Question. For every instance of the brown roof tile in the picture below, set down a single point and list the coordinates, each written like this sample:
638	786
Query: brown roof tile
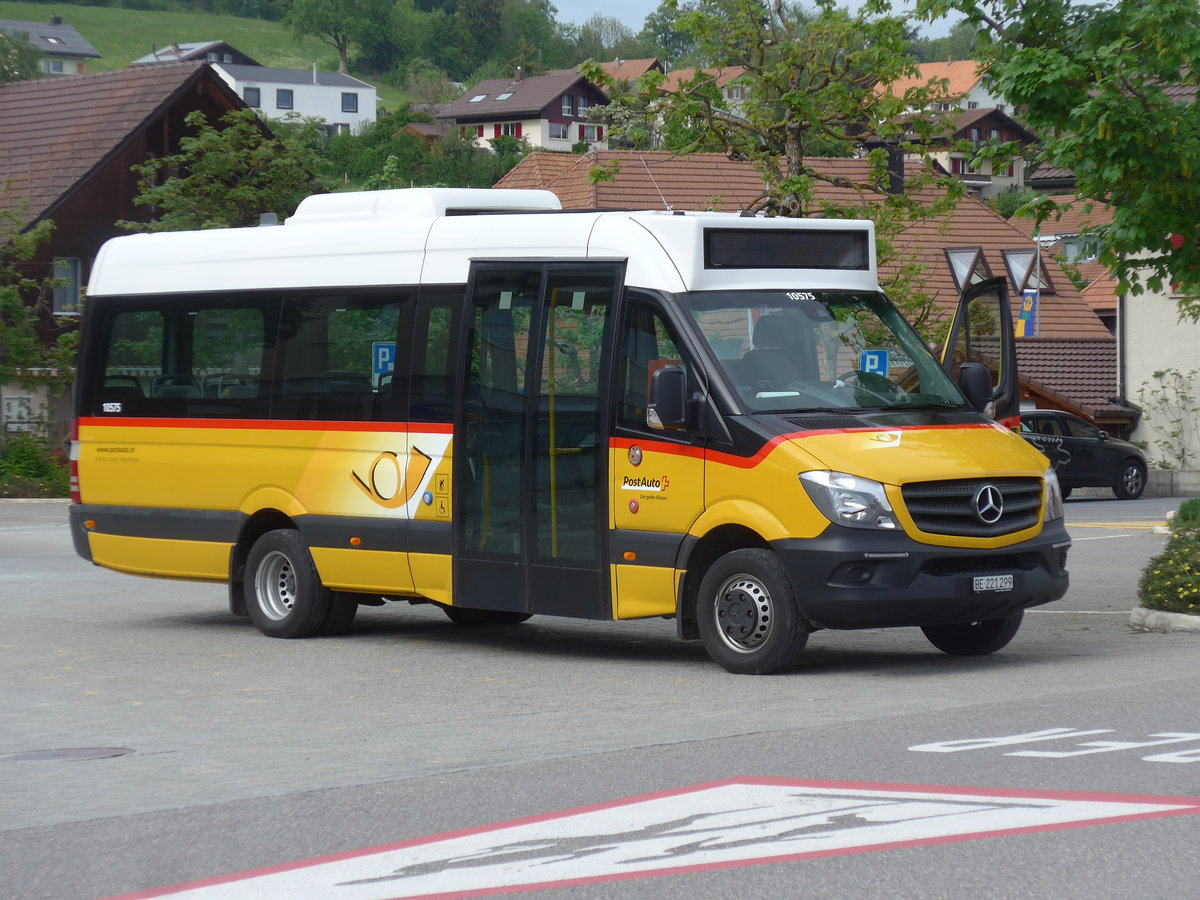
1077	374
630	70
961	76
721	76
53	131
527	96
658	180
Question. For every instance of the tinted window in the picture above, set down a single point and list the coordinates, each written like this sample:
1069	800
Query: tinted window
187	359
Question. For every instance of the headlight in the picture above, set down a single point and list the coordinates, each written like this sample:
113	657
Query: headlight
849	500
1054	500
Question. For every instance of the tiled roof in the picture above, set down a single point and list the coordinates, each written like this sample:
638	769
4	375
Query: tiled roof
1101	292
961	76
658	180
1078	374
527	96
53	38
629	70
54	131
721	76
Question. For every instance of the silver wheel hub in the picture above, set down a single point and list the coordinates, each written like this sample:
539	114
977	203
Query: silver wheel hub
1133	479
275	585
743	613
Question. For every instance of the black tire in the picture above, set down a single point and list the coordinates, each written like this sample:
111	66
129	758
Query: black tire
342	609
284	594
476	618
1066	492
974	638
1131	480
748	616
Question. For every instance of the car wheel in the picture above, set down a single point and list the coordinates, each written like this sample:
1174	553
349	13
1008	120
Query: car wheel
1066	492
284	594
974	638
748	616
343	607
1132	480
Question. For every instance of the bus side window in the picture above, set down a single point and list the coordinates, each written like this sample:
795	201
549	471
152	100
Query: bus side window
432	356
334	355
133	359
647	345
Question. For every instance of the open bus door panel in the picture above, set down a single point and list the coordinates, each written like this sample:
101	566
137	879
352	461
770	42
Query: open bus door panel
982	332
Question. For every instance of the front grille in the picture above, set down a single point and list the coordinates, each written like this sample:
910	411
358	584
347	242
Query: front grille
948	507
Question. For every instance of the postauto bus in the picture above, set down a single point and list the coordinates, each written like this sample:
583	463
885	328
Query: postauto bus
477	400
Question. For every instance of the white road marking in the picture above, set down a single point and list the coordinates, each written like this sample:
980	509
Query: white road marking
729	824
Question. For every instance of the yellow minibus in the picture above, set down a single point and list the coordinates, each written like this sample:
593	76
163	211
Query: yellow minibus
475	399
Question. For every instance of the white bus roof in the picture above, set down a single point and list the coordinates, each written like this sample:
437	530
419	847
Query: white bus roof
430	236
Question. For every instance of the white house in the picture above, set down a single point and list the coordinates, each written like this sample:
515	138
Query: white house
549	111
345	103
64	50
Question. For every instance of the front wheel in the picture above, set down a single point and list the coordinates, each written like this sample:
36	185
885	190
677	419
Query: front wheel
1131	481
284	594
748	616
974	638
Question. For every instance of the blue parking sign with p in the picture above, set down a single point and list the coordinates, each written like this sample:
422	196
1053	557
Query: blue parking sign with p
873	362
383	357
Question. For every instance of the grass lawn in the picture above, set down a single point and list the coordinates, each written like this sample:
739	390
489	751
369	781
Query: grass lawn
123	35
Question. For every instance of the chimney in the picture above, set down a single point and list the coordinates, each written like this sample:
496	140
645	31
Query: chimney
895	169
314	73
519	76
56	20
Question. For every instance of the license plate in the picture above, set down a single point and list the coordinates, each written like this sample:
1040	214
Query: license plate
987	583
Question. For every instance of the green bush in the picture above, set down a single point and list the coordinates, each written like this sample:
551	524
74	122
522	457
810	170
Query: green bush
1188	514
28	469
1171	580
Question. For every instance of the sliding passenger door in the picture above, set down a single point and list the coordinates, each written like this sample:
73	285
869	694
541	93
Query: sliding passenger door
531	473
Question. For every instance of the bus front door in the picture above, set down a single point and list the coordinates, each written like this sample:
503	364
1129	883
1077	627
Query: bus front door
531	470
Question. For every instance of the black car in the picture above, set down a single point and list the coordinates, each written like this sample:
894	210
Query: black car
1083	455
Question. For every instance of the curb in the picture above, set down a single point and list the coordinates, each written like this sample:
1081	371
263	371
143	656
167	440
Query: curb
1156	620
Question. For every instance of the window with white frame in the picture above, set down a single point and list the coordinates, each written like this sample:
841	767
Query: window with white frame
568	105
560	131
590	133
283	98
510	129
53	66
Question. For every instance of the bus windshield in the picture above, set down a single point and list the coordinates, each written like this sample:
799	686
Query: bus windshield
788	351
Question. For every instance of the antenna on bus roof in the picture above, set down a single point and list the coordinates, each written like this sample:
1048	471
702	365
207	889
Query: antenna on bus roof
666	205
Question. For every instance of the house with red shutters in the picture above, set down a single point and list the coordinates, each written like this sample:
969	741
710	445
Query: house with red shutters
550	111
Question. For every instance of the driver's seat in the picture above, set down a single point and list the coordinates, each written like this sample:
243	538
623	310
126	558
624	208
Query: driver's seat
777	358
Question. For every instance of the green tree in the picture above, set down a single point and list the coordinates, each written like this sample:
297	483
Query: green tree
809	90
18	58
35	347
230	173
1112	90
659	31
336	22
958	44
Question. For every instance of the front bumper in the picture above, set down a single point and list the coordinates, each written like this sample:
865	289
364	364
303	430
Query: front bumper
847	578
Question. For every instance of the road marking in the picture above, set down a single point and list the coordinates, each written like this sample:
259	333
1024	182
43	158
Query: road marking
1141	525
721	825
960	745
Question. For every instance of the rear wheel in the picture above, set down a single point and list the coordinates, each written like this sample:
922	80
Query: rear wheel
1131	481
479	617
284	595
747	614
343	607
974	638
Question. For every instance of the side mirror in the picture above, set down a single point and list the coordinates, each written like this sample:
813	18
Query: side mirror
667	406
975	381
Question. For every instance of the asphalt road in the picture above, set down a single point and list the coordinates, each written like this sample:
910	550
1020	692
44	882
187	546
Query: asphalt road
150	739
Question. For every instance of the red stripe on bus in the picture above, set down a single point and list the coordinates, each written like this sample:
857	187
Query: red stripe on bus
269	425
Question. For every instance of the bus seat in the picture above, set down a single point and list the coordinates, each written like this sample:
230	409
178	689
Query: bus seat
778	356
174	386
